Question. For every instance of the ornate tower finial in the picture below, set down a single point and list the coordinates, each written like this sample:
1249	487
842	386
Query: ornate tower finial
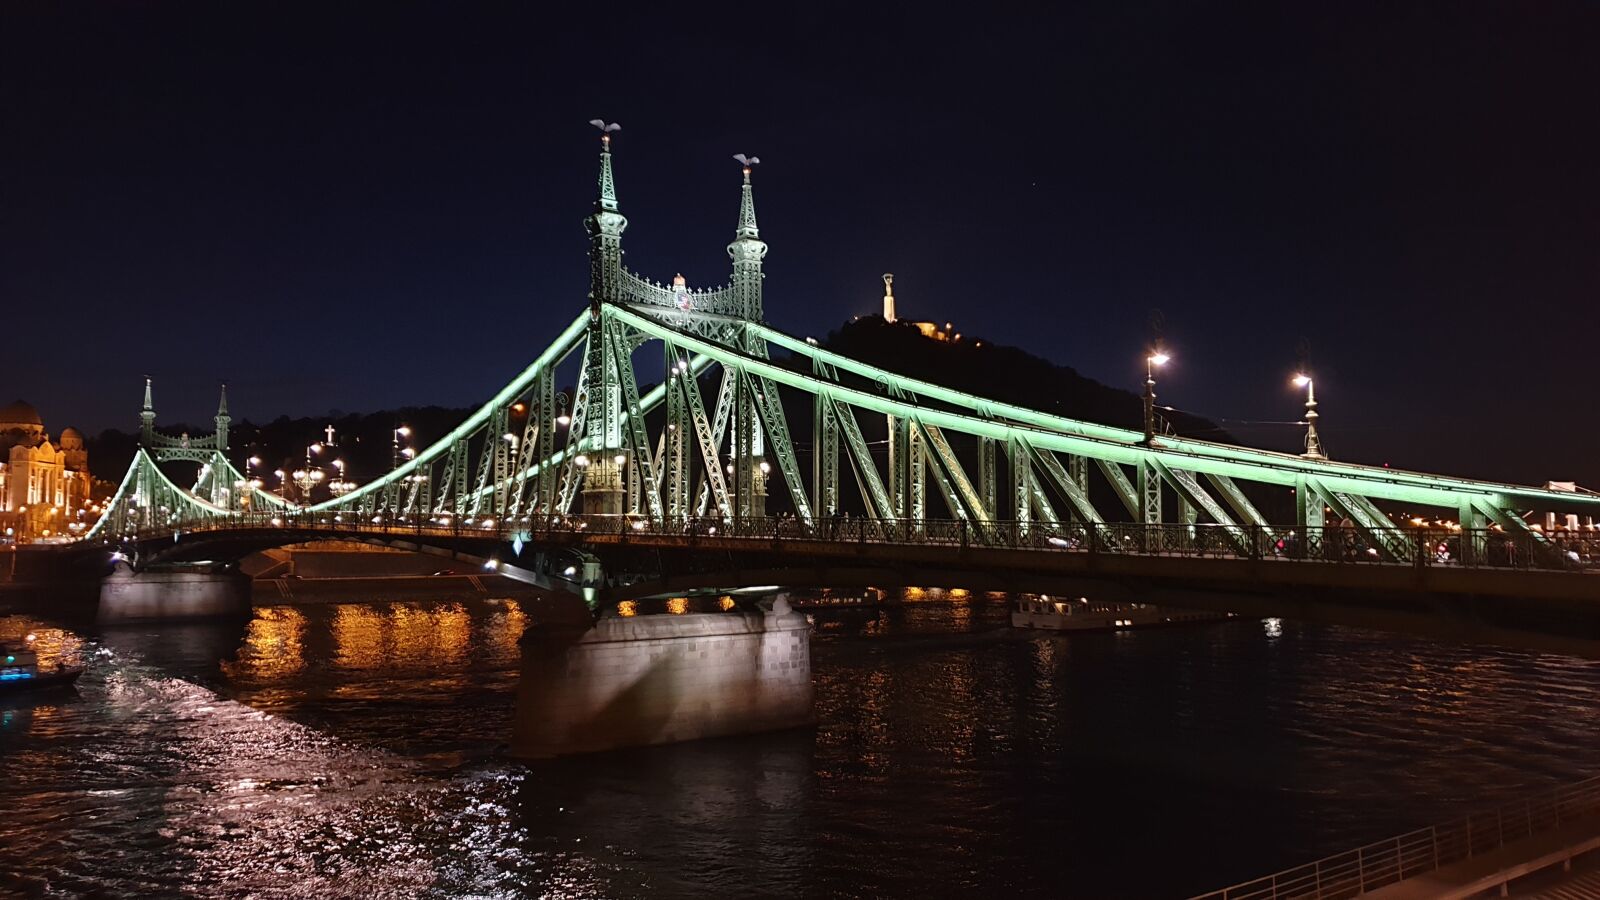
747	203
223	419
605	227
147	416
747	249
608	187
888	296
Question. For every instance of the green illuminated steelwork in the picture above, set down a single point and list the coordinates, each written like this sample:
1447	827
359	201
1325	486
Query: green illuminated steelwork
658	452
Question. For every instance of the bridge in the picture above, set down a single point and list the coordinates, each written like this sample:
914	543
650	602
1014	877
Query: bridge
676	464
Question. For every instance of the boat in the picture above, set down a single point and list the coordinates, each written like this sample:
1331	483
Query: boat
1048	613
19	669
869	598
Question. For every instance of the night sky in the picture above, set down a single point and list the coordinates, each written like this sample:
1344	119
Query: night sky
361	206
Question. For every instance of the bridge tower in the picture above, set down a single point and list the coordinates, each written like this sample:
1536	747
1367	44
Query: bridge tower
217	480
599	388
750	468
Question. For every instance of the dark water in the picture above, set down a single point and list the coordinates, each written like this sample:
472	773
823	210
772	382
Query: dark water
357	750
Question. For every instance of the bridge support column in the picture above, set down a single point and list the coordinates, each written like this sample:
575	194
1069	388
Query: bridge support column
1307	505
1473	522
602	485
659	679
172	594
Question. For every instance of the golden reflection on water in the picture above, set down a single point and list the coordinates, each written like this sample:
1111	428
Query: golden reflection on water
283	643
274	645
402	635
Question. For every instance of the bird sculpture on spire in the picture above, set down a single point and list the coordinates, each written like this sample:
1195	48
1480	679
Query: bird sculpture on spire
605	129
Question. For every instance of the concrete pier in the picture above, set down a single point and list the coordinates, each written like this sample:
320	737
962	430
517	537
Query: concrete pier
658	679
127	596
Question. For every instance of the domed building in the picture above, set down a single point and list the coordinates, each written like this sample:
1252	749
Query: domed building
44	487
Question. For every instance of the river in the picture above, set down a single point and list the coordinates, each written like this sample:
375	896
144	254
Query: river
358	750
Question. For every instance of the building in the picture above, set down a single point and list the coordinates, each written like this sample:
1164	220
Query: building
44	485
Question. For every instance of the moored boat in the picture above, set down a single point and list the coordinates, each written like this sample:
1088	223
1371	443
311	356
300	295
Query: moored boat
19	669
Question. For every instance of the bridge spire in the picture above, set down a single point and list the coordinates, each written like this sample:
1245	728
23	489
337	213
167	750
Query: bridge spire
222	419
147	416
747	249
605	226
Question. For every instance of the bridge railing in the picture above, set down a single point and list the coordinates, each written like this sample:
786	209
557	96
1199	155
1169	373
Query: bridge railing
1355	872
1419	547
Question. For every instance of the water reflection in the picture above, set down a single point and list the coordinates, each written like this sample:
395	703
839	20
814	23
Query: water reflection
361	743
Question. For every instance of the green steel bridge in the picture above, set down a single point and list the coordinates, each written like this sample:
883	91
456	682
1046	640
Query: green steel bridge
675	464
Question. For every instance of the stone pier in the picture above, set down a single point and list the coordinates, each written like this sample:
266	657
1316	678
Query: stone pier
161	594
658	679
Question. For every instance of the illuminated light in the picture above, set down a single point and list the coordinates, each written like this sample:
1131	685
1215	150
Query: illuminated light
619	459
678	605
581	460
638	525
1059	541
563	419
765	468
570	571
403	431
491	564
725	603
628	609
1159	359
518	407
488	523
1274	627
31	637
1302	381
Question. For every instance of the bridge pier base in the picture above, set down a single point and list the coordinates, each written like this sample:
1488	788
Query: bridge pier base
659	679
127	596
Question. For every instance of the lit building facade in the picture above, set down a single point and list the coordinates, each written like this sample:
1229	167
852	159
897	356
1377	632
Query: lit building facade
44	485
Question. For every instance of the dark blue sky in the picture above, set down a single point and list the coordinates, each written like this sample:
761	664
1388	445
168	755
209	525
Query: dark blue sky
379	205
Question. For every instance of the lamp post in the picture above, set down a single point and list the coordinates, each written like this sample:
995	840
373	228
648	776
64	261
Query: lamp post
563	419
309	476
1152	362
402	431
1313	442
340	485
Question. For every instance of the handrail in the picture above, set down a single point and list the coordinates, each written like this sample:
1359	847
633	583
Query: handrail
1355	872
1413	547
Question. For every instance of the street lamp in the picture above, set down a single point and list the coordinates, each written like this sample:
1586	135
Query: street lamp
1152	362
283	483
402	431
563	419
309	476
340	486
1313	442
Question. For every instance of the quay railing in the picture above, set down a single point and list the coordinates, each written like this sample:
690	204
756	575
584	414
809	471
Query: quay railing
1389	861
1420	547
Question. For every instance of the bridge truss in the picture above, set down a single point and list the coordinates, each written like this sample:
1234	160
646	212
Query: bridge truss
684	409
